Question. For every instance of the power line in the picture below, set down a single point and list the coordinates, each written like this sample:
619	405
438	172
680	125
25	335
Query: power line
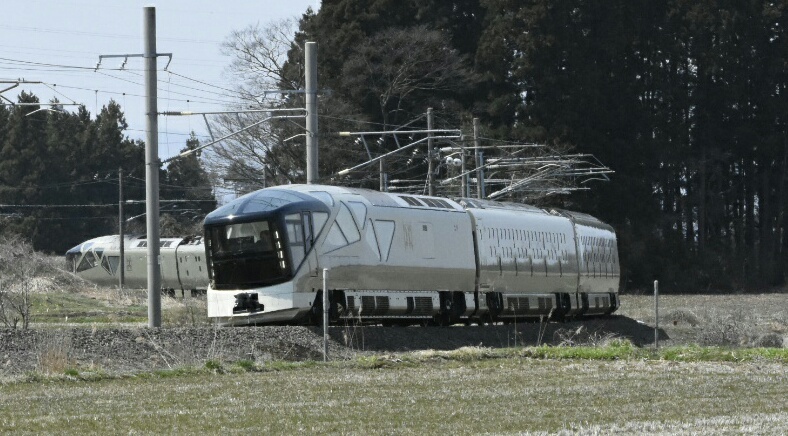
164	90
130	70
200	81
30	206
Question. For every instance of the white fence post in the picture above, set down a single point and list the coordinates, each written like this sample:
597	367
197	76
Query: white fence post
325	314
656	314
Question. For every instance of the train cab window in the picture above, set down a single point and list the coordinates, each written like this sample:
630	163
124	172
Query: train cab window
250	254
309	237
88	262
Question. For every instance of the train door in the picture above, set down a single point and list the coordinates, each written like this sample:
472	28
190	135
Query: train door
303	230
309	242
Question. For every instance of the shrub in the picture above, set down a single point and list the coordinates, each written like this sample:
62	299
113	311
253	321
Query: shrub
732	329
687	316
246	365
214	365
769	340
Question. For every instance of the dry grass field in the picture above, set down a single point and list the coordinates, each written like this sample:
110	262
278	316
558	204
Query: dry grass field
708	378
424	393
722	320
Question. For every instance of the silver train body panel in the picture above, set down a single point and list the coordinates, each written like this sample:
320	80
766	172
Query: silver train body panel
404	257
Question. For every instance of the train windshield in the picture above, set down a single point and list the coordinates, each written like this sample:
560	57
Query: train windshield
247	255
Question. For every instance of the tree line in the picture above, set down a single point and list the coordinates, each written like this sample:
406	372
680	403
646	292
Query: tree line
685	100
59	176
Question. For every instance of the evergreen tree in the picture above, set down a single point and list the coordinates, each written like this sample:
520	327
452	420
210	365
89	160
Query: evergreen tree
52	158
186	180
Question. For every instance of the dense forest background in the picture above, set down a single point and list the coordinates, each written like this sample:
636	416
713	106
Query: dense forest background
59	178
684	99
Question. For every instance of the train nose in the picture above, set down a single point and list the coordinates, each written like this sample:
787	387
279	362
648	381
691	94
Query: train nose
74	250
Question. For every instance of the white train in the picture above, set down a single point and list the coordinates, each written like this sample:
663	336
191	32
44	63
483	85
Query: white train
183	267
403	259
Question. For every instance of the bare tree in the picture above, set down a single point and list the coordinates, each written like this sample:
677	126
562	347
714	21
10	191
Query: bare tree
258	56
19	264
259	156
272	153
402	69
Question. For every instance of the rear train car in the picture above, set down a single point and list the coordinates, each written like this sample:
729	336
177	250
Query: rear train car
182	264
403	259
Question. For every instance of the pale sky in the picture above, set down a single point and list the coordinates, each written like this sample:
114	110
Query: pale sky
44	40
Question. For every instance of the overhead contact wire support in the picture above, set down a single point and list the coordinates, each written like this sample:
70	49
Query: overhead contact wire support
310	63
152	169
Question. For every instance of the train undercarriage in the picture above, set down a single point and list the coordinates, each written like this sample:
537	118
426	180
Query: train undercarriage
443	308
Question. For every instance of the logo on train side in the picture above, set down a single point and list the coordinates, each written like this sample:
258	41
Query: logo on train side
408	230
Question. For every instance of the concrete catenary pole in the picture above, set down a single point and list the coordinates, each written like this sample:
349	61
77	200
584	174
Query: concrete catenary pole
152	168
382	172
122	260
310	64
479	170
463	169
430	175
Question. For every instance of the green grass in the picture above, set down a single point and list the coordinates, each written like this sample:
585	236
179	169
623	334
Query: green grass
468	391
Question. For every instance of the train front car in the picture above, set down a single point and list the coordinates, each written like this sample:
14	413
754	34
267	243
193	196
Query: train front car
393	259
403	259
95	260
256	245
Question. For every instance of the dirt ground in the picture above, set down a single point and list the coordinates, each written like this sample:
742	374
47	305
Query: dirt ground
723	320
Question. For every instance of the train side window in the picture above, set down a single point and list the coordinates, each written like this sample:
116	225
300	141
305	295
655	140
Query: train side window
343	230
335	239
347	224
384	232
110	264
323	196
359	210
372	240
295	237
318	221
